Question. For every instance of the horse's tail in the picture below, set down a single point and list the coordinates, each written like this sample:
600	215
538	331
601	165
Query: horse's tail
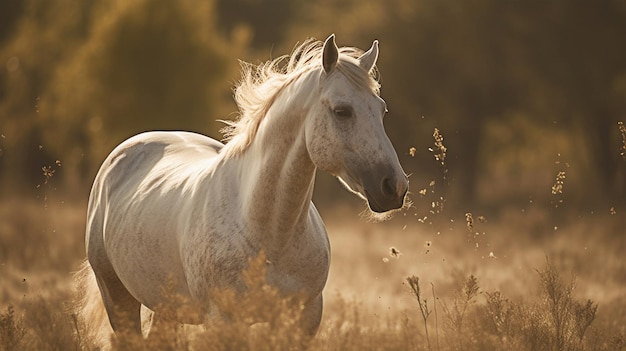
92	322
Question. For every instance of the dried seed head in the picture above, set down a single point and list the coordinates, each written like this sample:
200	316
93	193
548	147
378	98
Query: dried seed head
557	188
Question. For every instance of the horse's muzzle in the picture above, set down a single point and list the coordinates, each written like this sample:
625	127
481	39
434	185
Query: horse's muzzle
388	194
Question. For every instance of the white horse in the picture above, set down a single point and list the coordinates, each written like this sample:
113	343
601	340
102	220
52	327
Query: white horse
185	210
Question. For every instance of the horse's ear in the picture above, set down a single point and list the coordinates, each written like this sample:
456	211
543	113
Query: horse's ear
368	59
330	54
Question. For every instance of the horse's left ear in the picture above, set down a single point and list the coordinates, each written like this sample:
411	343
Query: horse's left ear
368	59
330	54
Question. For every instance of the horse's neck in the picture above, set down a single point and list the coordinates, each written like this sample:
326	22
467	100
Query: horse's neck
278	177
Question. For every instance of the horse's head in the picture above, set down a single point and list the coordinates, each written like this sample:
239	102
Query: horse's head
345	134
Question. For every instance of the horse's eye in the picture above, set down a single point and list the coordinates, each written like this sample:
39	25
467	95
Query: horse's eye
343	112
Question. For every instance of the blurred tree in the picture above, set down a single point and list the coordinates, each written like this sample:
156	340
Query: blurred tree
268	20
580	55
114	69
10	11
44	34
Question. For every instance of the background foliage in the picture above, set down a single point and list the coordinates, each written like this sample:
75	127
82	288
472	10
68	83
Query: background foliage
519	90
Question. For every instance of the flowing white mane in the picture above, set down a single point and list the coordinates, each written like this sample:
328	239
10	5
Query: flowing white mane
261	85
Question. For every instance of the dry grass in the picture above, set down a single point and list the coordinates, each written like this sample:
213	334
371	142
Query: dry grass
482	286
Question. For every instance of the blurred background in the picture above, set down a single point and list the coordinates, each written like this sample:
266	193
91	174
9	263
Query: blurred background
524	99
519	90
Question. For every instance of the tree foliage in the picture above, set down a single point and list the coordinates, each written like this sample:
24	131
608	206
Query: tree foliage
521	90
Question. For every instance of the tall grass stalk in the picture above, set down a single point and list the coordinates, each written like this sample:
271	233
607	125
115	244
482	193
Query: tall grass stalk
422	303
432	286
568	318
455	315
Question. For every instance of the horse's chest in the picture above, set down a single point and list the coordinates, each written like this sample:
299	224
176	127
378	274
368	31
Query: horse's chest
217	258
300	271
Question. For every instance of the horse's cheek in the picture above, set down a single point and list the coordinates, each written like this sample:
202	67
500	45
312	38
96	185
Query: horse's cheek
322	147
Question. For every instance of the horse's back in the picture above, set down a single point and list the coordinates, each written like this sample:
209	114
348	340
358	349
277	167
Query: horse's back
145	157
138	157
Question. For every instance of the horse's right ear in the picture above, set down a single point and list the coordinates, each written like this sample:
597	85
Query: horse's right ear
330	54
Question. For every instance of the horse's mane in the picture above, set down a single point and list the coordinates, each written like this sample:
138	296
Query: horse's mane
261	84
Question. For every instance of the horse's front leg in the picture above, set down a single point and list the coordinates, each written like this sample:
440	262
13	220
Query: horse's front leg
311	317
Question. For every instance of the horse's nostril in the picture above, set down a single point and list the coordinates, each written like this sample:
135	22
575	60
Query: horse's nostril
389	188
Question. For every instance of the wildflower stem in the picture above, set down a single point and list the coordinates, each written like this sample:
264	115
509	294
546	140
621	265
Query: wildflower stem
415	287
436	317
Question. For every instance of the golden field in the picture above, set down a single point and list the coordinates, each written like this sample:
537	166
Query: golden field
488	283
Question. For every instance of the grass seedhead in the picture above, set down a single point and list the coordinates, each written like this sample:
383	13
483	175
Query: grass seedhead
470	289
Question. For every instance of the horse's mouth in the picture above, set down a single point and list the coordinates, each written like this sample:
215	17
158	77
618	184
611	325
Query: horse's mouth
382	204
